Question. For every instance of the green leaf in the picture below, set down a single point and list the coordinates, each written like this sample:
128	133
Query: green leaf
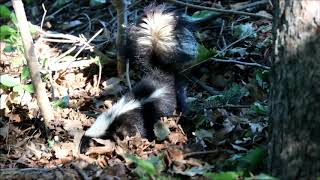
4	12
202	14
235	93
63	102
261	77
243	30
19	89
18	61
253	160
231	175
161	131
197	170
25	73
199	120
6	32
144	165
260	177
9	81
259	109
9	48
202	134
204	53
29	88
50	143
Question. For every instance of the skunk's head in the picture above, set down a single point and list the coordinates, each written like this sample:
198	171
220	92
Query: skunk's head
161	38
105	121
101	125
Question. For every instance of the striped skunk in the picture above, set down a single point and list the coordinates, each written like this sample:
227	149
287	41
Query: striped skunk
137	111
162	39
159	45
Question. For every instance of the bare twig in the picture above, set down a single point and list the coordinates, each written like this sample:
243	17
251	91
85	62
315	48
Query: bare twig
86	44
59	10
33	64
66	65
44	15
240	62
231	106
224	11
200	153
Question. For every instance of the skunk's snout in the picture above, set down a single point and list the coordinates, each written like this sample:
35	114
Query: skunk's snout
84	144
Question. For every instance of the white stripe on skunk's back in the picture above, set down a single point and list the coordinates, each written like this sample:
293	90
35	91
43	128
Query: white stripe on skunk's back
160	93
101	125
157	29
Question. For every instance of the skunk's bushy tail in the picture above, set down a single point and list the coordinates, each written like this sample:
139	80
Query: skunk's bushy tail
161	38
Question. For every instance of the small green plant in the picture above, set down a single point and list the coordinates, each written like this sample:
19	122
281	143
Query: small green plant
231	96
7	81
150	168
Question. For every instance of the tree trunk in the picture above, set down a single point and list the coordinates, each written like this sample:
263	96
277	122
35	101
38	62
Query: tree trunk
294	151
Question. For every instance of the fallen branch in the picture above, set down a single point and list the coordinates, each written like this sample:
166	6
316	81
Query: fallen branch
33	64
223	11
240	62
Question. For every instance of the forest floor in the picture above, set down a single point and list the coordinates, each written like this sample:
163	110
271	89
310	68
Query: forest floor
224	130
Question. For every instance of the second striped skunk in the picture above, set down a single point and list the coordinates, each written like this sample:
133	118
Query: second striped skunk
137	111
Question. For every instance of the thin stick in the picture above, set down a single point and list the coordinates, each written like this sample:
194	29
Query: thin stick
224	11
43	16
240	62
33	64
200	153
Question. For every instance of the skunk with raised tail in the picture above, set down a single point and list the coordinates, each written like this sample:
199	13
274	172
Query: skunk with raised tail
162	39
160	44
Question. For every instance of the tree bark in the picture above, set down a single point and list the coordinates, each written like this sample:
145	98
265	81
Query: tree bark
294	151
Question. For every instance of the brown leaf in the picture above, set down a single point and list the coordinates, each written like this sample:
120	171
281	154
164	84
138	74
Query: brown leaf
101	149
177	138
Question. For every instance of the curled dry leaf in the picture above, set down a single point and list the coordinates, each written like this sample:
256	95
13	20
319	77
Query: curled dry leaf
108	147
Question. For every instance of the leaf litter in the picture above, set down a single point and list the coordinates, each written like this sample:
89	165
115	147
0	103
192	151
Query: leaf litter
214	135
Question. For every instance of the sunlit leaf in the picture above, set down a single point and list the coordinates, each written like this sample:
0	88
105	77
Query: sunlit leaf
25	73
29	88
9	81
19	89
18	61
6	32
4	12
